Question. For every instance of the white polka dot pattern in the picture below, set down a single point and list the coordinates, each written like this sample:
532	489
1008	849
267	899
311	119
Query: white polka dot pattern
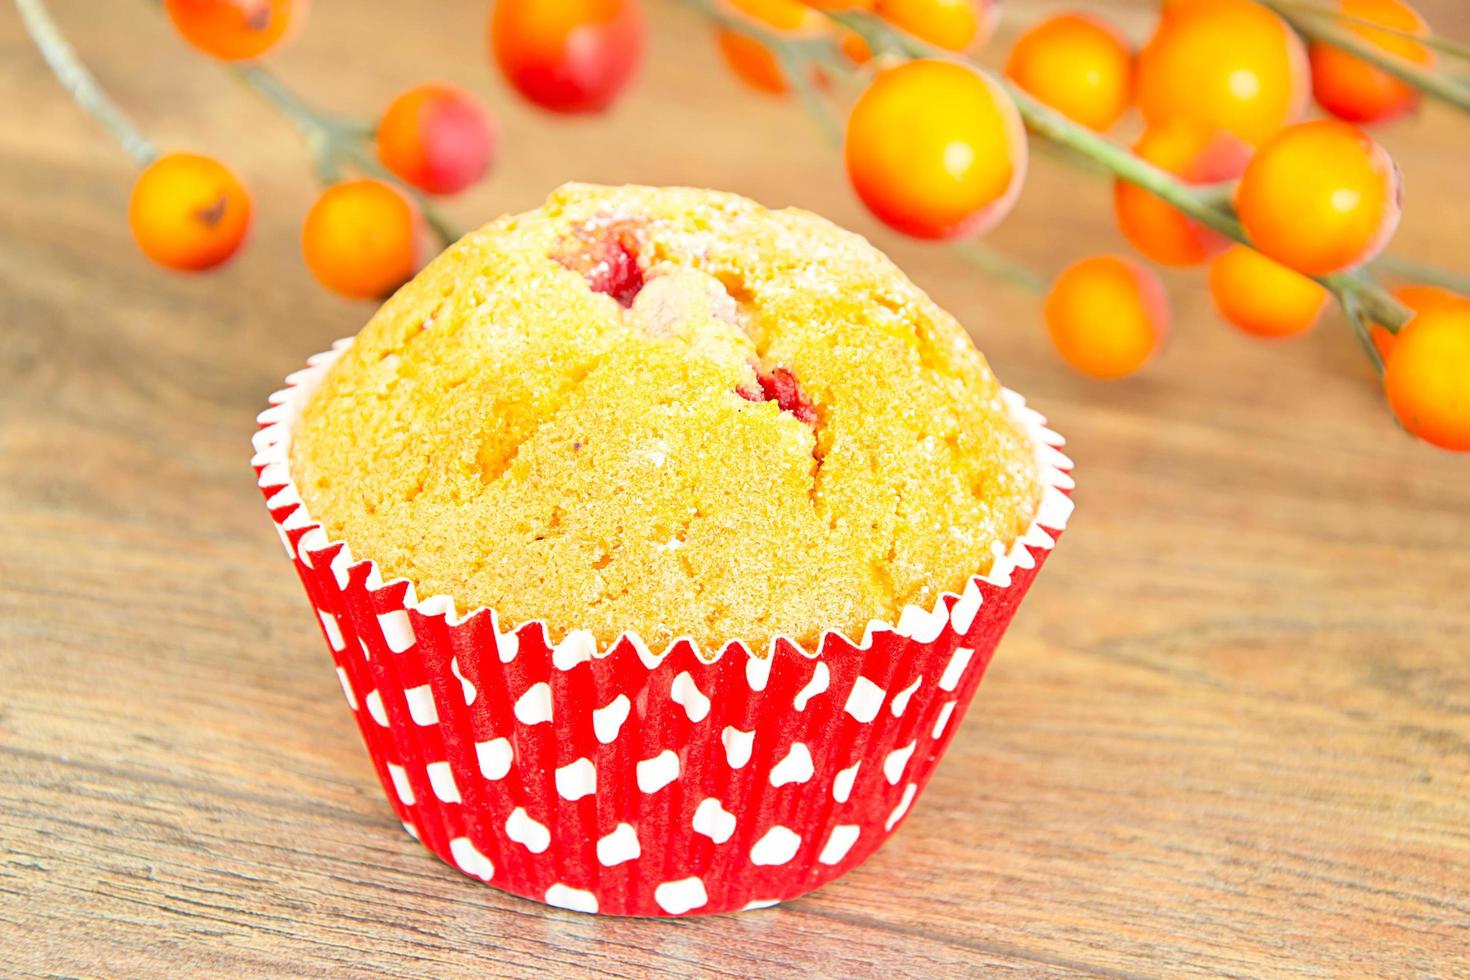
397	632
950	679
576	648
333	631
374	702
656	773
821	676
864	701
922	625
494	757
401	785
572	899
795	768
942	721
576	780
619	846
678	897
347	689
685	692
841	841
626	780
465	685
534	706
608	721
778	846
523	830
903	806
470	860
758	672
896	761
507	647
441	780
900	702
714	821
738	746
421	705
965	610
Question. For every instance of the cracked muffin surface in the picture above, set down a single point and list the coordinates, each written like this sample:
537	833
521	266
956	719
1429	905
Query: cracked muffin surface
670	411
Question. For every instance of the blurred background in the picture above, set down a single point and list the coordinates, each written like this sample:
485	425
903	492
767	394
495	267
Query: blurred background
1230	729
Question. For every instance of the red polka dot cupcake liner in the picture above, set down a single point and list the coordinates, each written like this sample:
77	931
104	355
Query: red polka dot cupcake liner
630	781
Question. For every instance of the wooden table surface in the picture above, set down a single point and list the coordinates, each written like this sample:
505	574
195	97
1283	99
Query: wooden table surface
1229	731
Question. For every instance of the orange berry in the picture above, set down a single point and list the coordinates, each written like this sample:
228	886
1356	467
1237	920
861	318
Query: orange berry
935	149
1224	64
235	30
950	24
362	238
1428	378
783	15
568	55
188	212
1416	297
853	47
1320	197
1351	88
752	62
1262	297
437	137
1419	297
1107	316
1079	65
1161	231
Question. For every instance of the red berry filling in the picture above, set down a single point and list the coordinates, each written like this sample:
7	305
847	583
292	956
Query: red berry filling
607	257
779	386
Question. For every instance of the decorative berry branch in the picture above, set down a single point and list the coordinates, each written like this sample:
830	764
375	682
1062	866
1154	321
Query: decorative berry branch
334	141
1352	290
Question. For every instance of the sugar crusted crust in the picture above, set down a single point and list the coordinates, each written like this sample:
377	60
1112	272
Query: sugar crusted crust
671	411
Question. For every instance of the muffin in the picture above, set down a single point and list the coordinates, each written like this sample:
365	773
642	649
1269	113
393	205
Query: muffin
737	515
691	416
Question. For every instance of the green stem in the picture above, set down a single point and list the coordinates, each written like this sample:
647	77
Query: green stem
1403	268
795	71
80	83
1331	11
1322	28
1002	266
334	141
1360	328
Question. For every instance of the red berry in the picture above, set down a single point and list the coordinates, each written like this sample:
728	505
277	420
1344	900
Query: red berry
437	137
780	386
607	258
568	55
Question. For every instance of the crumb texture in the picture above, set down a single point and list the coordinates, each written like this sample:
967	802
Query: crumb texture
671	411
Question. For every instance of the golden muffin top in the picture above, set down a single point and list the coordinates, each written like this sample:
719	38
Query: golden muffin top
670	411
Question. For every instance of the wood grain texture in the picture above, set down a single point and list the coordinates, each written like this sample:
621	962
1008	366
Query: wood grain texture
1229	732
